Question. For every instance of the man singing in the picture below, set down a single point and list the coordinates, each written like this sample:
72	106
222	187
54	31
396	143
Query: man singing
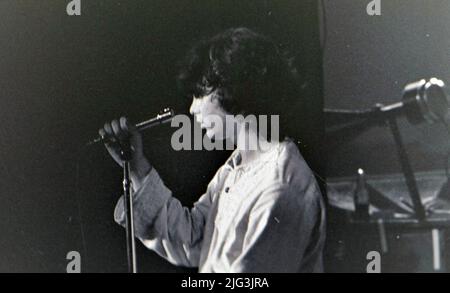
263	210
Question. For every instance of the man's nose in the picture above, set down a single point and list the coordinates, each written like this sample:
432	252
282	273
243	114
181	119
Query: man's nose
194	106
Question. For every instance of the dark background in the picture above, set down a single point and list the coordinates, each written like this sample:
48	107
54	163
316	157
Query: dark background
62	77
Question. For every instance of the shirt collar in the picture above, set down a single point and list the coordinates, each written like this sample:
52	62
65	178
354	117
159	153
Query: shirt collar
235	159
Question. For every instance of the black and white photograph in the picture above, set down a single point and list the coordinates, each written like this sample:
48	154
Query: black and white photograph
222	136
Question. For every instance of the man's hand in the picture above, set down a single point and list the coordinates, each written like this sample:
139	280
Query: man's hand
121	132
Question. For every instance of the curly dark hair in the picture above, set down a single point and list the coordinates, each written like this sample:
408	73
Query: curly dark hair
247	70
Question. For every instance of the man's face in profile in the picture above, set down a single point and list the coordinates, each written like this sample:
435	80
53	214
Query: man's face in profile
211	116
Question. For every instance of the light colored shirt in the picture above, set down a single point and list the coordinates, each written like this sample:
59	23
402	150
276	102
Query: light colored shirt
264	216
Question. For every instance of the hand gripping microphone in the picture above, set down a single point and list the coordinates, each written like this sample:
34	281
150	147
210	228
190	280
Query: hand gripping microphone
164	116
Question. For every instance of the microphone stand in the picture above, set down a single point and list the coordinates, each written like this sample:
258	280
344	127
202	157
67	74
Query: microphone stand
360	120
407	170
125	154
128	206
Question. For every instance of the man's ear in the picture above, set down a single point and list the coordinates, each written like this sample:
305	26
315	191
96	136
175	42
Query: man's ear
214	99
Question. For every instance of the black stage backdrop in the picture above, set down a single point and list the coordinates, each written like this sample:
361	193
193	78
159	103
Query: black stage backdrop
61	77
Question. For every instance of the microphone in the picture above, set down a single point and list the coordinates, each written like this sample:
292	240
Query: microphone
423	101
164	116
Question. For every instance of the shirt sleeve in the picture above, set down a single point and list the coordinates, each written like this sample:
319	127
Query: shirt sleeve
280	231
162	224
